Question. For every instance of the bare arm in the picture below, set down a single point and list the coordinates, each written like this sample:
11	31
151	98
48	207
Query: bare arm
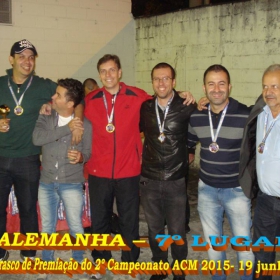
189	99
203	101
77	134
83	155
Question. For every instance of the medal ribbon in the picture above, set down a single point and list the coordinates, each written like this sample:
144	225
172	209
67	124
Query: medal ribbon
214	137
161	126
18	102
266	133
110	118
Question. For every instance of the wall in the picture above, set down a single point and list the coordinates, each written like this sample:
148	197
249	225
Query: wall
71	35
244	37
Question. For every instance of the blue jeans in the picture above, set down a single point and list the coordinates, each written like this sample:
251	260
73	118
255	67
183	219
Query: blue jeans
266	223
24	174
165	201
212	204
72	197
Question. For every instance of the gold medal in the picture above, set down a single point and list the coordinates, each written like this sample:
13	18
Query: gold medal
110	128
18	110
213	147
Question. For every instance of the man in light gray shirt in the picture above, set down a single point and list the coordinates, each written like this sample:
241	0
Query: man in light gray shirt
62	167
260	165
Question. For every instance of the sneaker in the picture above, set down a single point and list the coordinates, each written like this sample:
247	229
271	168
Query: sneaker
5	257
24	257
43	276
95	276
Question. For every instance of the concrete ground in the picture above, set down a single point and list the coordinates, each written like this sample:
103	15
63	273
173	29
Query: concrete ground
145	255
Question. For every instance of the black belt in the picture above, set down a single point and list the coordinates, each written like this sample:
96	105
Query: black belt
277	197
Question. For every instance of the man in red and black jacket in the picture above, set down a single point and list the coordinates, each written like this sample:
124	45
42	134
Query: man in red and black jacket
114	168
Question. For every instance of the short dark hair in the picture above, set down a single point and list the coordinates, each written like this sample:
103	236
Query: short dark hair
216	68
108	57
74	88
87	80
164	65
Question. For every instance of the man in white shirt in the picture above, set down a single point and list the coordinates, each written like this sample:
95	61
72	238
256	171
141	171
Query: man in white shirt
260	164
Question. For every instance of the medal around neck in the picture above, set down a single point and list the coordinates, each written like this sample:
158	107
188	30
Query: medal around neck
214	147
110	128
161	137
261	147
4	111
18	110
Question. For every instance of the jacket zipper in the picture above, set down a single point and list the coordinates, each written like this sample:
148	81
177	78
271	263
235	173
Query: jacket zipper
114	157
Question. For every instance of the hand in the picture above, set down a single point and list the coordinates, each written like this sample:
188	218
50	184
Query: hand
203	101
4	125
76	123
77	128
75	156
77	135
189	99
191	158
46	109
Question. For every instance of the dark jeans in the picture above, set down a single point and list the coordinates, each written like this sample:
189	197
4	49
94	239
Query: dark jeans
102	192
266	222
165	201
188	210
24	174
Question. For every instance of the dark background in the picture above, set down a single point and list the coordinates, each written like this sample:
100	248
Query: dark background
146	8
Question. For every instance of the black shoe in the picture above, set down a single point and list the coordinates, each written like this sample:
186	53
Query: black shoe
179	278
96	276
24	257
158	277
5	257
187	229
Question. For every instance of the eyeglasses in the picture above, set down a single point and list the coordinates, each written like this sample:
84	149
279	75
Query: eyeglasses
164	80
